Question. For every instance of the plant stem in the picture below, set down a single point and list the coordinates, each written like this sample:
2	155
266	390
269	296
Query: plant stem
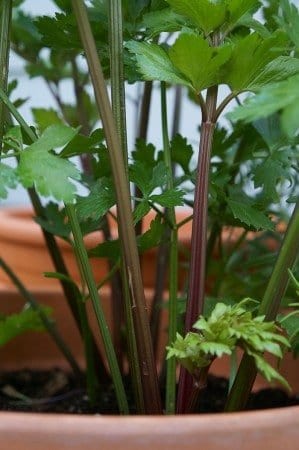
177	107
48	323
145	109
6	7
196	290
269	307
173	265
127	236
160	277
142	134
118	99
82	115
118	102
83	261
119	114
133	352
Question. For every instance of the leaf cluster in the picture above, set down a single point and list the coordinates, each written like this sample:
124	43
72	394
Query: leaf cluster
226	328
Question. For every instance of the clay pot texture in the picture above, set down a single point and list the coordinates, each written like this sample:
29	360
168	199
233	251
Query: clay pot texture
23	246
274	429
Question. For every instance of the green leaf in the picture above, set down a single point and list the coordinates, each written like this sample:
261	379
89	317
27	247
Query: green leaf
290	119
273	169
8	179
268	100
289	20
249	215
13	138
154	63
208	15
145	153
141	210
107	249
59	32
16	324
54	221
268	371
84	144
249	57
45	117
291	325
146	179
200	63
279	69
226	328
238	8
165	20
248	21
133	8
181	152
100	199
47	172
270	130
169	198
53	137
152	237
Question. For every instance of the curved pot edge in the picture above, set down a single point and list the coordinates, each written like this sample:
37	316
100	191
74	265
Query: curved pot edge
276	429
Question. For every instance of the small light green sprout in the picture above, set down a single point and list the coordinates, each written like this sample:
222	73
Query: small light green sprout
229	327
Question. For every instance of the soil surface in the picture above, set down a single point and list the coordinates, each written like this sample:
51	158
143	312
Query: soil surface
58	392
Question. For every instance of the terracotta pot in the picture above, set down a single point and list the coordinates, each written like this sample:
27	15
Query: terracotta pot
22	244
271	429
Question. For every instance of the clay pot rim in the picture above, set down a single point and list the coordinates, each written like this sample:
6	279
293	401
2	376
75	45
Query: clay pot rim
19	222
214	431
218	418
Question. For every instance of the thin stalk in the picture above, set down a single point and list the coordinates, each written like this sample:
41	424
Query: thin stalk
145	109
198	385
233	368
196	290
82	115
92	372
142	134
116	298
160	277
224	104
69	290
173	265
83	261
48	323
119	113
118	99
125	220
269	307
5	23
177	109
133	352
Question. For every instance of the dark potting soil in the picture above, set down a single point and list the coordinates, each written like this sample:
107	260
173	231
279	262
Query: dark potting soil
57	392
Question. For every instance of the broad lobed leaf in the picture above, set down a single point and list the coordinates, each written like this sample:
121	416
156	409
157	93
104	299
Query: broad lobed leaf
197	61
154	63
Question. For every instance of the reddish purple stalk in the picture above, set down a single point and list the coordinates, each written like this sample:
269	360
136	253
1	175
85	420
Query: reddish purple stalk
196	291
